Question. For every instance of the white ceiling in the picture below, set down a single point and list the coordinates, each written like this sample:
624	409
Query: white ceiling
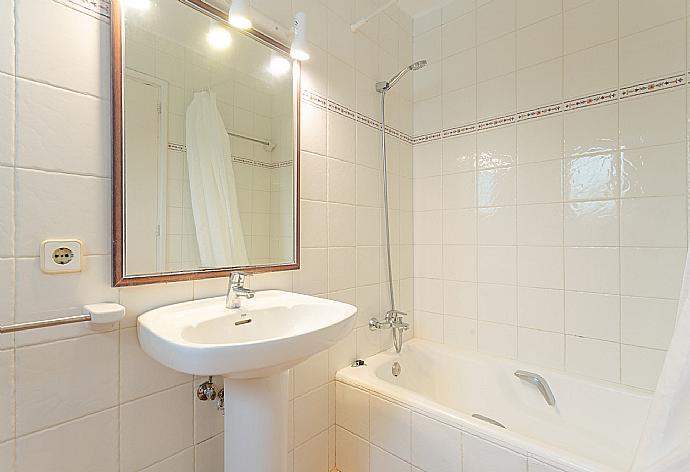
418	7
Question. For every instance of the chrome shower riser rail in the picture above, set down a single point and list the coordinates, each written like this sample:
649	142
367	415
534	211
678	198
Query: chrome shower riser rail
13	328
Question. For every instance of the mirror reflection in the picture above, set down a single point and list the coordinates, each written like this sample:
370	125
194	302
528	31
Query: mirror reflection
209	155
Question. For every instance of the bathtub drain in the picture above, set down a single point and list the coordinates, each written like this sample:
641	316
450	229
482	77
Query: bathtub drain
488	420
396	369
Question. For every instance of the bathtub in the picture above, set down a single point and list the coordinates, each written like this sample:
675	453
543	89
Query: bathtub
594	426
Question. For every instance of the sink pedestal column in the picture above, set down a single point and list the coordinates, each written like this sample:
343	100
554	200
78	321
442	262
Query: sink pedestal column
256	424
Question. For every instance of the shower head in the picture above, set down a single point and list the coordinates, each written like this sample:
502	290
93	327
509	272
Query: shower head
383	87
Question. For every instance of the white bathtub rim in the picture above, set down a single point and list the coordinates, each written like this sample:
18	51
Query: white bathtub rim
366	380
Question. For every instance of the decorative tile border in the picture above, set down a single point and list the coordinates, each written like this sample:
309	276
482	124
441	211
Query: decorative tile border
326	104
551	109
99	9
176	147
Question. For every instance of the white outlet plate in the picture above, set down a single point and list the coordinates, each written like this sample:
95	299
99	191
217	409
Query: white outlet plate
61	256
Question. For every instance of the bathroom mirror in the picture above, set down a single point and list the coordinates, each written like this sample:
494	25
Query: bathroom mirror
206	152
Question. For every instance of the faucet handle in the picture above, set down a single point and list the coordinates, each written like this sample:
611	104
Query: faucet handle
238	277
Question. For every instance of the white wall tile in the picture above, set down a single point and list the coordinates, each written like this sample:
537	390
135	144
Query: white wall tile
435	446
459	70
541	309
496	147
540	140
482	456
592	223
497	187
591	130
45	195
591	24
541	41
593	315
7	386
652	272
540	267
6	212
209	455
637	16
57	368
312	456
495	19
593	358
456	35
496	97
592	270
648	322
62	117
497	339
653	119
497	303
497	225
654	222
390	427
578	79
497	264
63	47
658	52
7	37
311	373
155	427
531	11
182	462
541	84
311	414
460	332
139	374
352	409
382	461
640	366
653	171
540	225
496	57
88	443
352	452
7	110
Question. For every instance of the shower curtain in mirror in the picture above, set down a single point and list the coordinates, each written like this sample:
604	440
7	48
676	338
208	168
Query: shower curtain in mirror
212	185
665	442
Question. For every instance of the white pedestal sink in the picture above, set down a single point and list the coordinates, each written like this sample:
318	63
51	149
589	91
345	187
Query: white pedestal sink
252	347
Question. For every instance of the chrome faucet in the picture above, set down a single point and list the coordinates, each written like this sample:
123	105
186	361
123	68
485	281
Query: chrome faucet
236	290
393	321
539	382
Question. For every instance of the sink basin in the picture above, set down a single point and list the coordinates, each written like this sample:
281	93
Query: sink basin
268	334
252	347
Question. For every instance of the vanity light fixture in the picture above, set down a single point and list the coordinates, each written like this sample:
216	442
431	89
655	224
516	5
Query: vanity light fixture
299	49
218	37
238	16
279	66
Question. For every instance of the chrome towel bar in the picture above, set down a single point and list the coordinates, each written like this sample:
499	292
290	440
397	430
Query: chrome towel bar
44	324
99	313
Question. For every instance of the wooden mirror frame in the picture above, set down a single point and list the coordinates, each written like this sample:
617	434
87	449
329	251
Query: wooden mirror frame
119	277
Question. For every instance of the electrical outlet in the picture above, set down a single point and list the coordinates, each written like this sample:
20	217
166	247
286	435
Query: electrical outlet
60	256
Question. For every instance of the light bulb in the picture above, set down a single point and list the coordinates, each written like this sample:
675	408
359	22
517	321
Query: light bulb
238	16
298	50
218	37
279	66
